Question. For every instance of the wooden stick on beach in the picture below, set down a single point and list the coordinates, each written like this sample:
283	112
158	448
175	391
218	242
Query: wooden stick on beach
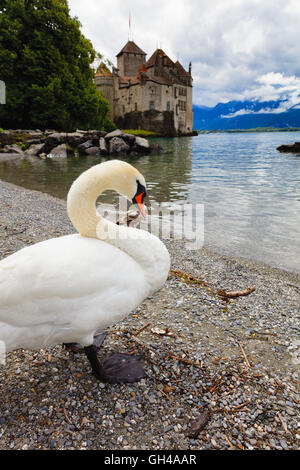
238	293
244	354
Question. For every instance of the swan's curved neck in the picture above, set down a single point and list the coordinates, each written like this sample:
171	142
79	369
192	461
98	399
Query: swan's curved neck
146	249
81	204
83	194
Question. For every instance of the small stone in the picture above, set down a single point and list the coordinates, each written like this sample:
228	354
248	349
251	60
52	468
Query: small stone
34	149
111	135
58	152
117	146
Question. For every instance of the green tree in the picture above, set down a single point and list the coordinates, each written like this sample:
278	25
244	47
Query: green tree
45	62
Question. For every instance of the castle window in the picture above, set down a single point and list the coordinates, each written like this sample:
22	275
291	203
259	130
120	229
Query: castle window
175	92
151	105
135	106
168	106
182	105
153	90
123	108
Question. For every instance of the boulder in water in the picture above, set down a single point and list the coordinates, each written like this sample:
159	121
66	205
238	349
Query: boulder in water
290	148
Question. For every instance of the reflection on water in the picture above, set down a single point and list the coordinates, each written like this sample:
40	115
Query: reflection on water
250	191
167	175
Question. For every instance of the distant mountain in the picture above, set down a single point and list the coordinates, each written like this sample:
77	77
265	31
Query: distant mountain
247	115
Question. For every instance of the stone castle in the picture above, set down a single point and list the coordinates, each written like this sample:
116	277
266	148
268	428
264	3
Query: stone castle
153	94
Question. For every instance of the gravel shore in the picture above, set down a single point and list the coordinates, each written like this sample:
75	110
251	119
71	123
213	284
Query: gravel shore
221	374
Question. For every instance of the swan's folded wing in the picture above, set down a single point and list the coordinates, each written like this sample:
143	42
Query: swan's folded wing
57	280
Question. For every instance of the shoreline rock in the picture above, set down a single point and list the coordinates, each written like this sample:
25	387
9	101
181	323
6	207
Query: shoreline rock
290	148
13	148
61	144
34	149
61	151
117	146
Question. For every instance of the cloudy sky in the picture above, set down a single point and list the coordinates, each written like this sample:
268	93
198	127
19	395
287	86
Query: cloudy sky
239	49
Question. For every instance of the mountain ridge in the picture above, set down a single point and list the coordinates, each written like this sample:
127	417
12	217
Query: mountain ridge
247	114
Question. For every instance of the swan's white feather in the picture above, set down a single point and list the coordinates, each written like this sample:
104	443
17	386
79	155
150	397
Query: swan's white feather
64	289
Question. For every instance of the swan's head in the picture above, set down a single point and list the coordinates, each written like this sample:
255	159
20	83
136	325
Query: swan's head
127	181
140	194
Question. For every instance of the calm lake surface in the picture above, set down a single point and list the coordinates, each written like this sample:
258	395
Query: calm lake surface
250	192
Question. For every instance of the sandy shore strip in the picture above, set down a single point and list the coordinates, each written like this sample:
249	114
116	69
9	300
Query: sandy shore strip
221	374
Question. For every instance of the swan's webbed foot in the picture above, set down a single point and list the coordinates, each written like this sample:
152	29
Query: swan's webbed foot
122	368
116	368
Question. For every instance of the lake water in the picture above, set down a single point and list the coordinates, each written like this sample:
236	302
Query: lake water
250	191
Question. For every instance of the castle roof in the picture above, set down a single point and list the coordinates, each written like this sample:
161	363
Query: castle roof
103	71
131	48
155	59
181	70
125	80
174	74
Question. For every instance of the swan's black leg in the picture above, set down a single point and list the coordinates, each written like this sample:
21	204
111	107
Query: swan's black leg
116	368
91	354
99	337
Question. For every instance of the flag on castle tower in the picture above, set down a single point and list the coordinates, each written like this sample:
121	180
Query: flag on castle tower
129	32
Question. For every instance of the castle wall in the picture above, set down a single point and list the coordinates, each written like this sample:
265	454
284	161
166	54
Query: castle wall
152	96
167	98
106	86
189	110
157	96
129	64
129	99
150	120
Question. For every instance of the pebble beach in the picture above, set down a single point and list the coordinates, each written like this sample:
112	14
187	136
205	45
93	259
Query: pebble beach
222	373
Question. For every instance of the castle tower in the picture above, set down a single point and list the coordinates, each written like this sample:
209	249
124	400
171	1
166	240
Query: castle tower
105	83
154	95
130	60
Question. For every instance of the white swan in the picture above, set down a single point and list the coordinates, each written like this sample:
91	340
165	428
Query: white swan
64	289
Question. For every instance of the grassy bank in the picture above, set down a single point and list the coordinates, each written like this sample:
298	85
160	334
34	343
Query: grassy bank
140	133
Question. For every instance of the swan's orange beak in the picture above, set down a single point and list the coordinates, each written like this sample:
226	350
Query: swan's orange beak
139	201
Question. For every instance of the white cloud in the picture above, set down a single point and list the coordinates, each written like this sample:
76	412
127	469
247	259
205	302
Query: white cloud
237	113
274	87
232	44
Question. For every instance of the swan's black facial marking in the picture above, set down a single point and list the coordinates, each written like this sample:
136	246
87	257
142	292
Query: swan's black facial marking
139	197
141	191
